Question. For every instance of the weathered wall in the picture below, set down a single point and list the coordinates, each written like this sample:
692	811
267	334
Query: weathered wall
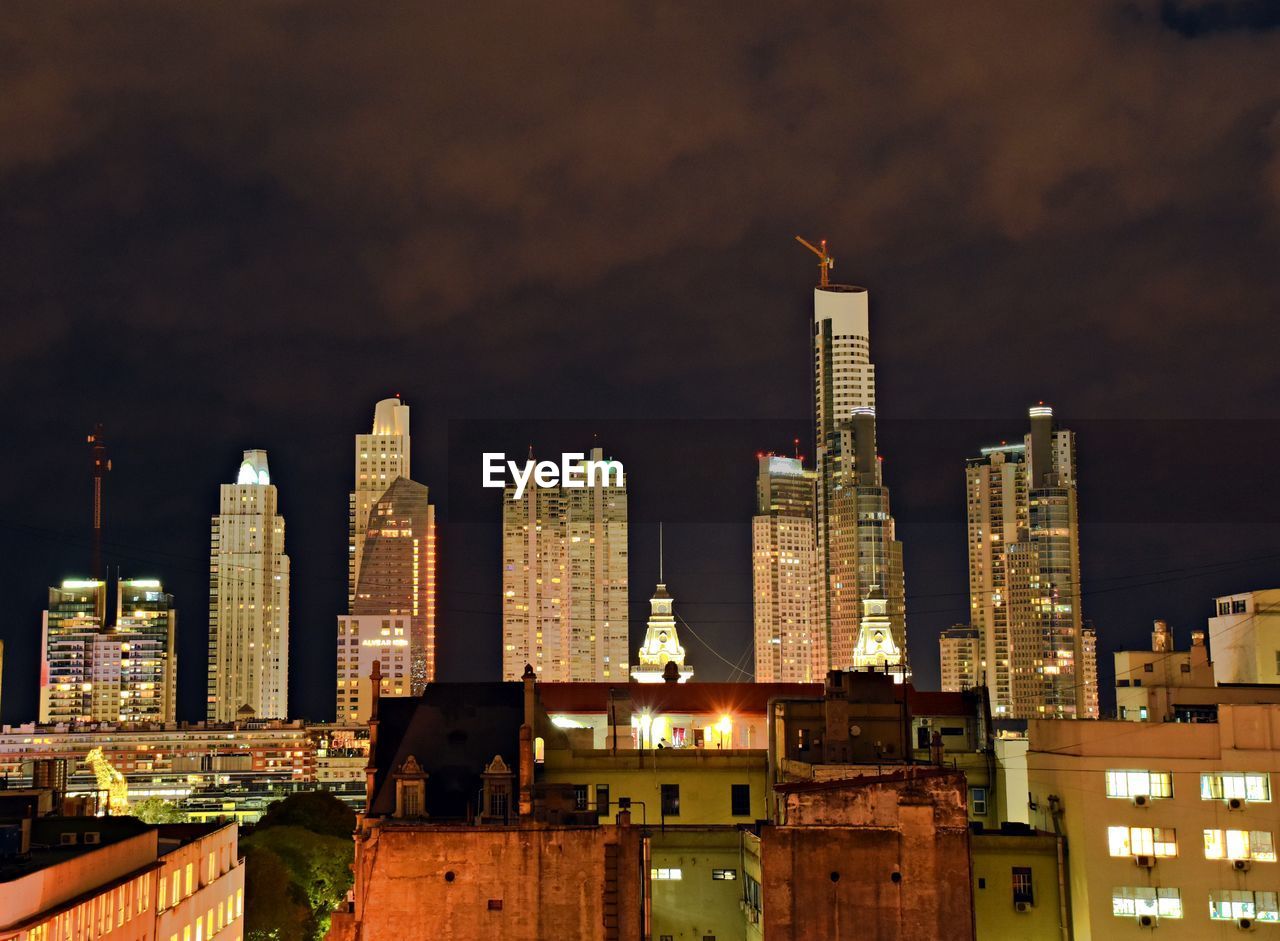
882	858
508	883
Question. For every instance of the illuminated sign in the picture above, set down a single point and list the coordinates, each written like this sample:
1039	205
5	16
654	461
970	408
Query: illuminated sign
384	642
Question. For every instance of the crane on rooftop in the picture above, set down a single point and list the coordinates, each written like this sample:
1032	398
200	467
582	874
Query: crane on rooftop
825	261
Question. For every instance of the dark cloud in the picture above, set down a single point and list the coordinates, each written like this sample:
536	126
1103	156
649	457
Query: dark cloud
1221	16
223	225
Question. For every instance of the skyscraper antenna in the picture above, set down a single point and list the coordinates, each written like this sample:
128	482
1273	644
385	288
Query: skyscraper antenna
661	581
101	464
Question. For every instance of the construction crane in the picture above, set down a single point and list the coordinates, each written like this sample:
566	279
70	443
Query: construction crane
825	261
111	781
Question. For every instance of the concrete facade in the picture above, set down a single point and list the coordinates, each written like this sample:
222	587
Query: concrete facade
873	858
1244	634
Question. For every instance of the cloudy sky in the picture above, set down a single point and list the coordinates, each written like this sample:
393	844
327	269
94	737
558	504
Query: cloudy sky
233	226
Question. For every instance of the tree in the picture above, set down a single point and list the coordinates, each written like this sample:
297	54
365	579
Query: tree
317	811
309	835
318	866
275	909
157	810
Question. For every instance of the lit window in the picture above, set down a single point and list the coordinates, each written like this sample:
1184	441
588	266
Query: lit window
1142	841
1230	904
1240	785
1239	844
666	875
1139	783
1133	901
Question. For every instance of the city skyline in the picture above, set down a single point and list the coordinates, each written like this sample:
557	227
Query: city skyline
1074	205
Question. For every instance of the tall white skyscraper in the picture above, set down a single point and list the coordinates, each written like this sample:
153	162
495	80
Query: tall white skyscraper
564	582
1038	659
248	600
790	627
381	456
856	536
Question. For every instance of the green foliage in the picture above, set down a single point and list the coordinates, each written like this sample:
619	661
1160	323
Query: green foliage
157	810
317	811
308	836
276	908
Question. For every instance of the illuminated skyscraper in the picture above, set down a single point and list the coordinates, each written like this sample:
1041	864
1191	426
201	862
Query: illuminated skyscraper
393	614
391	595
1024	575
381	457
564	582
790	630
960	657
96	669
248	600
857	541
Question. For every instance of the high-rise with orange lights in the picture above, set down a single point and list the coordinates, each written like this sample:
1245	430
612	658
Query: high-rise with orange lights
391	613
790	630
1038	658
564	583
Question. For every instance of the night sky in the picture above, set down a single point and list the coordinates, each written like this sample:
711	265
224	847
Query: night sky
230	226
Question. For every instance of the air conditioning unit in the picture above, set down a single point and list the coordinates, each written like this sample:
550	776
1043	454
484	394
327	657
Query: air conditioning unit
66	839
92	838
1235	803
1144	862
1244	924
1146	921
1240	865
1022	906
1141	800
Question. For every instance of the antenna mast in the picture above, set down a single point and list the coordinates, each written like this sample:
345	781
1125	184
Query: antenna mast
101	465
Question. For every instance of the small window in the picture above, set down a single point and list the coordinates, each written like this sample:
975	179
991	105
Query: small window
978	801
724	875
1148	668
602	800
579	797
1022	891
740	800
666	875
671	800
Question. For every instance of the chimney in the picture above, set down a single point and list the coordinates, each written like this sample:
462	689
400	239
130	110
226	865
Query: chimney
528	678
1199	652
371	768
1161	641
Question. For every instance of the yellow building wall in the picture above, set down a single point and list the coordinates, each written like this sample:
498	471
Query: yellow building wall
994	857
698	905
705	779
